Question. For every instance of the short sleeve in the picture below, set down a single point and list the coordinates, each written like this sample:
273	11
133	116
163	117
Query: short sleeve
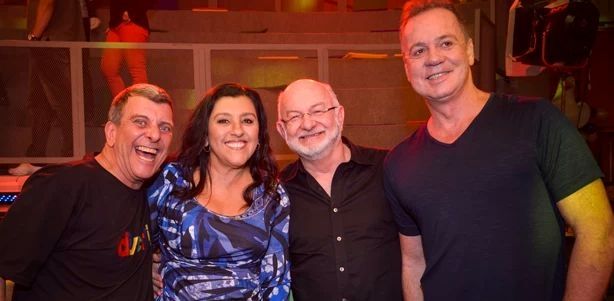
405	222
34	224
565	160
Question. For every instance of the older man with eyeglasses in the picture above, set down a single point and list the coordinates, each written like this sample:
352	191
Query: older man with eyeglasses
343	241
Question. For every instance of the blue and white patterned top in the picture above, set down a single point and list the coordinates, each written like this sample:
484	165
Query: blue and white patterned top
206	256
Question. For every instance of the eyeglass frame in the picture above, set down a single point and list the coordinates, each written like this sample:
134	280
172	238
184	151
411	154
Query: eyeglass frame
300	116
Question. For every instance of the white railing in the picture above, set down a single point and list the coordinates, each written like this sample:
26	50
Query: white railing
201	55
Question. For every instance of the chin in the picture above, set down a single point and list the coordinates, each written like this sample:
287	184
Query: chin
237	162
239	165
312	153
438	95
145	172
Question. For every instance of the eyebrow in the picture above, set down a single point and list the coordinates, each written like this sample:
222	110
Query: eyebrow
166	123
446	36
132	117
135	116
437	39
310	108
228	114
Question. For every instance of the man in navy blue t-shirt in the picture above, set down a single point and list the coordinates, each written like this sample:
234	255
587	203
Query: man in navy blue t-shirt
482	192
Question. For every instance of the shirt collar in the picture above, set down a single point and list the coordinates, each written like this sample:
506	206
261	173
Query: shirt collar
358	154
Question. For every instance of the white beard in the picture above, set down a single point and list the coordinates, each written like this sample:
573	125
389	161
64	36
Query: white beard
315	152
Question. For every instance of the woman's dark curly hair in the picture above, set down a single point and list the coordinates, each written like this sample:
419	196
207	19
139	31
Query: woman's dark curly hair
193	155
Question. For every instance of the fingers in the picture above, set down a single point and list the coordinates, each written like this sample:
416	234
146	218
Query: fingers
157	280
155	274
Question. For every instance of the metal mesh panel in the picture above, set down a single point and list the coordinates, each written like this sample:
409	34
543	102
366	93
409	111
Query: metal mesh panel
37	114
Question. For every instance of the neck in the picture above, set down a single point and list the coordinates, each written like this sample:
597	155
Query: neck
450	118
228	176
328	163
323	169
224	188
107	160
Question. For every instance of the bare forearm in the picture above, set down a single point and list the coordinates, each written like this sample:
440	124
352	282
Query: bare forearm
590	267
589	213
411	283
412	267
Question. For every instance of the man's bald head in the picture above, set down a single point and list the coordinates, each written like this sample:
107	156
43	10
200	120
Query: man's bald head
306	88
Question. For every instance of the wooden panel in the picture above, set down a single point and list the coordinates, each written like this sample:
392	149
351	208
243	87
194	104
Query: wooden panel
371	73
382	106
379	136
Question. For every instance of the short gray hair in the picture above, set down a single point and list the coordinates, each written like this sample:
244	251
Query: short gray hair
149	91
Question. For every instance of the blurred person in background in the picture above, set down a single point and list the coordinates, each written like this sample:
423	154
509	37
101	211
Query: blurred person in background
128	23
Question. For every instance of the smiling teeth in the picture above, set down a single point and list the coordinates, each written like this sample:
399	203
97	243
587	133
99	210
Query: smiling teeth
436	75
235	145
310	135
146	149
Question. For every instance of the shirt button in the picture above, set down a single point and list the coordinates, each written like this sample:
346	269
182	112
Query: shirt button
338	238
341	269
335	210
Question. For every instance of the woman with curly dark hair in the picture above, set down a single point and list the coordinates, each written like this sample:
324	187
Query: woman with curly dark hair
219	216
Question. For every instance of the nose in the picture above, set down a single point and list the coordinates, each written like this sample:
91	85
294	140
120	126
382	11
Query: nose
237	129
307	121
153	133
433	58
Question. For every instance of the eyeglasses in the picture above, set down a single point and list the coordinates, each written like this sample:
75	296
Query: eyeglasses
298	117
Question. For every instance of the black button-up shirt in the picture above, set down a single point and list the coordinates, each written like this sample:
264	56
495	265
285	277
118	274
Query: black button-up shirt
346	246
